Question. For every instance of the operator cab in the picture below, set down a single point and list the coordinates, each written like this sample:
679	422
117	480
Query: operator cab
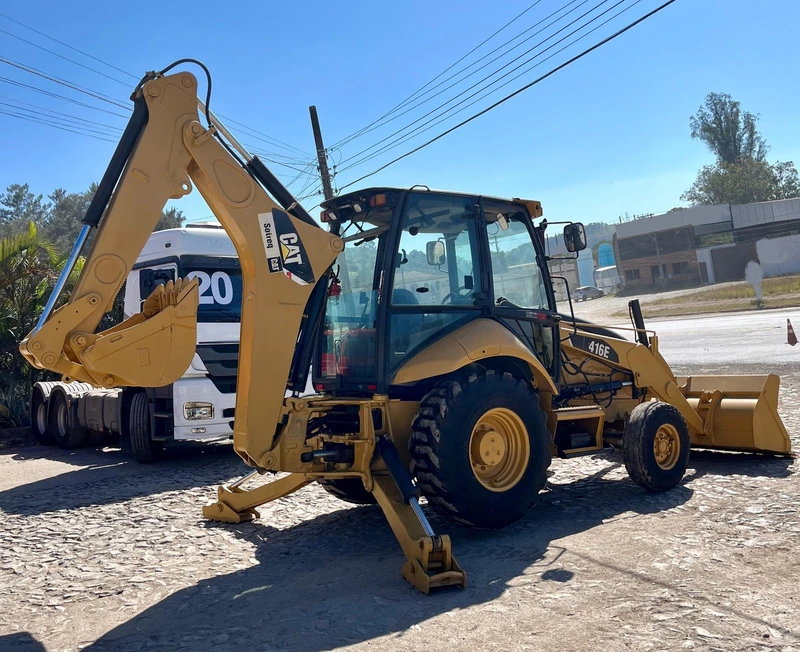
419	264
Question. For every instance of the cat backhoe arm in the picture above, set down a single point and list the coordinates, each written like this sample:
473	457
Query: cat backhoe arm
284	255
285	259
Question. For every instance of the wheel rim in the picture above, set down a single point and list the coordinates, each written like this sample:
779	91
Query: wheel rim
667	446
61	418
499	449
41	418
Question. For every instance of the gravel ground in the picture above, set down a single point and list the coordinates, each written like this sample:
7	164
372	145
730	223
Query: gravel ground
99	553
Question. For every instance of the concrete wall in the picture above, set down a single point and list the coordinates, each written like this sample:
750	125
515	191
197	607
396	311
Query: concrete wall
779	255
746	215
675	220
704	256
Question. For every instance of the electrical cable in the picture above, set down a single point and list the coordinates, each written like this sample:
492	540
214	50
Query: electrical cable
55	125
496	80
516	92
36	89
446	70
124	72
45	111
442	117
67	45
61	56
63	82
496	58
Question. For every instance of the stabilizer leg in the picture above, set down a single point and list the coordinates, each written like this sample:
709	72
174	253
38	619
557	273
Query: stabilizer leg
430	560
236	505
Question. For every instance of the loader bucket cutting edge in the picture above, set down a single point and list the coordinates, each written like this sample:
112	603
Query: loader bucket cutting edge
743	416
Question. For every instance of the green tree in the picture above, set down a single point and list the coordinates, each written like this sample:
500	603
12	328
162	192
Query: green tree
18	207
741	173
63	221
28	265
727	131
171	218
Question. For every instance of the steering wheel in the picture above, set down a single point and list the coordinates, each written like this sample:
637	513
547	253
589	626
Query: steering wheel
457	294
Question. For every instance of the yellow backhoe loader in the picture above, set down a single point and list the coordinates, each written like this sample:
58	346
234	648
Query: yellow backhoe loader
428	320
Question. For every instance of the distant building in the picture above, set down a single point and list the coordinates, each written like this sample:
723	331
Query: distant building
708	244
605	255
586	267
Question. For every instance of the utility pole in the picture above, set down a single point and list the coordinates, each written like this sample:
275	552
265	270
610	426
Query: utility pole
324	174
327	191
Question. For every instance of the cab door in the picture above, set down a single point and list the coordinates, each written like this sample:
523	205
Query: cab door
521	296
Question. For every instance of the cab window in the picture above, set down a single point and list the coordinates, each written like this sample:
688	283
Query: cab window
516	276
437	259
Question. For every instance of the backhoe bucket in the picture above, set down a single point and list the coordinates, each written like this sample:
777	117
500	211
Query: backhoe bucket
739	412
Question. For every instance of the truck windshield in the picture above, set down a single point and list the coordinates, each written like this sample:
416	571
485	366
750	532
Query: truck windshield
348	347
220	294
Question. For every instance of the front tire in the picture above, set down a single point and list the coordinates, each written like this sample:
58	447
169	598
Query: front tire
145	450
655	446
480	449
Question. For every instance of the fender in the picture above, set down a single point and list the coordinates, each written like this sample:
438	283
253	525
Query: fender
480	339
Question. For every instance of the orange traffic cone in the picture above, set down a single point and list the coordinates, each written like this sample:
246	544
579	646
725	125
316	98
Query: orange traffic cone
790	333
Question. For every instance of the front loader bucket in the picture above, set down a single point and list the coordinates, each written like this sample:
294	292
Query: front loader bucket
739	412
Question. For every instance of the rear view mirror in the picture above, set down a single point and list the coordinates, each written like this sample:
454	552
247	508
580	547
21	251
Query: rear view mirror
434	252
575	237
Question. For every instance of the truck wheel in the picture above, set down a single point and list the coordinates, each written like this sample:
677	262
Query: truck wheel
64	434
350	490
95	438
39	420
144	448
655	445
480	449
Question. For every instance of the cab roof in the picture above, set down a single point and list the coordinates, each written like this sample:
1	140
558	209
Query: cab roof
534	207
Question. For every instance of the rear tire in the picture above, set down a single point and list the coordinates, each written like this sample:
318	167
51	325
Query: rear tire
655	446
350	490
39	421
65	435
480	449
145	450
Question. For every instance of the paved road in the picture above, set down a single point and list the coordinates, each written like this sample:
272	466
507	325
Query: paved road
756	338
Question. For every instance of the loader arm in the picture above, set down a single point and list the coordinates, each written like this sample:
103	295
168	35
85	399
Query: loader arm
283	253
737	413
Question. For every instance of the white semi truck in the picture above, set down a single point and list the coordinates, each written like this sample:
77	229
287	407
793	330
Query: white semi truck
198	406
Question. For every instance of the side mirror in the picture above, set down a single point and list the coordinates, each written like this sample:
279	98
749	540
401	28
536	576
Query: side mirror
434	252
575	237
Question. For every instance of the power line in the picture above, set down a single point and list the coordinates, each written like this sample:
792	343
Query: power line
67	45
61	56
57	114
516	92
26	113
269	139
443	116
504	66
13	82
63	82
446	70
55	125
50	114
274	141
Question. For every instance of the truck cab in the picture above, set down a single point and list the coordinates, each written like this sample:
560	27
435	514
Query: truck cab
200	404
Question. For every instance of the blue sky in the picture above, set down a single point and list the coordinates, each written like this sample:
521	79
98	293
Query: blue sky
607	135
